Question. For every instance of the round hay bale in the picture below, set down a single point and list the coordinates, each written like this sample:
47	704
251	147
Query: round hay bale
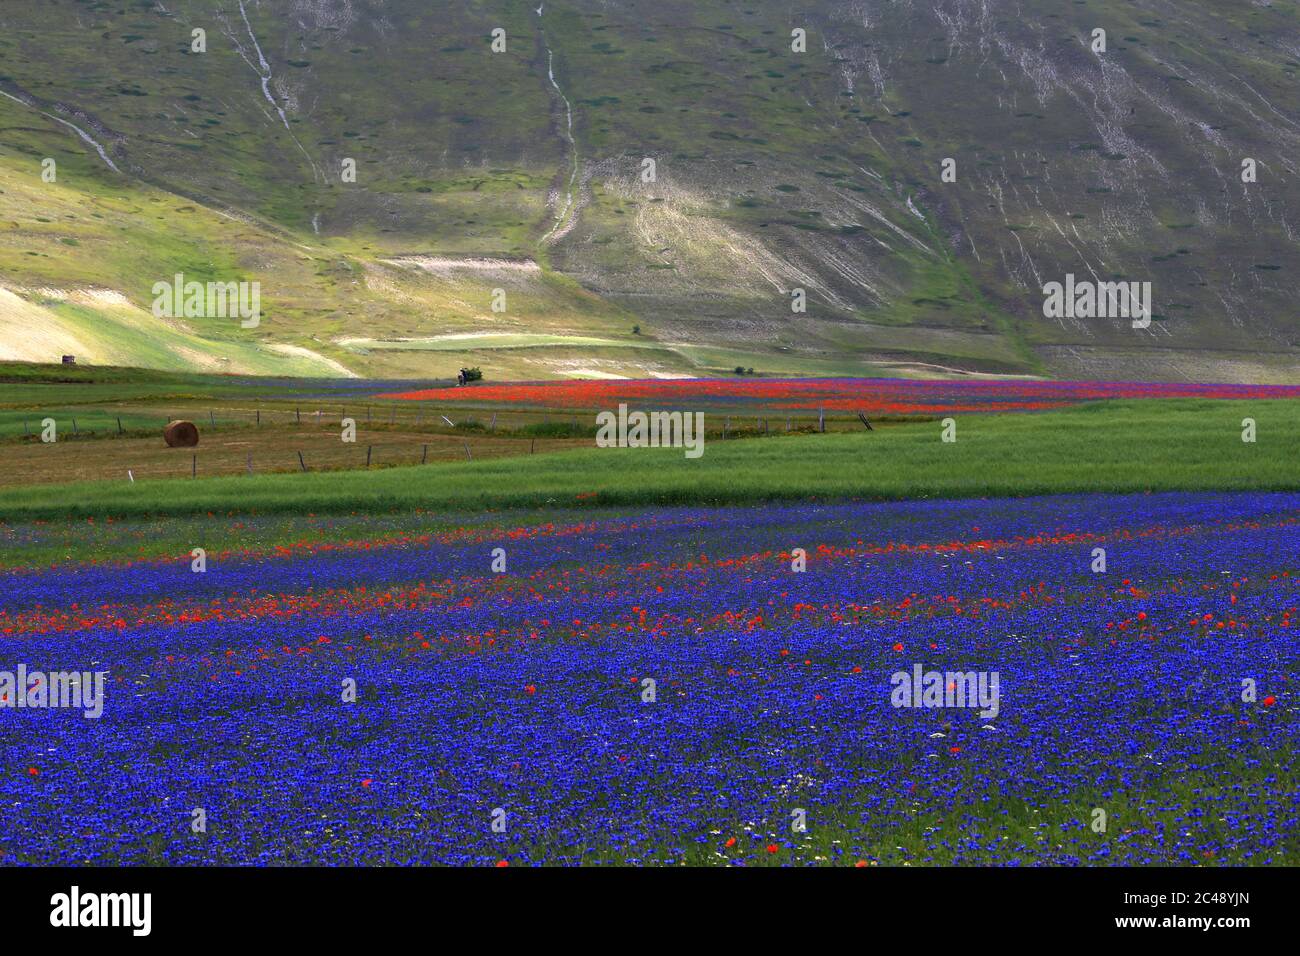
181	434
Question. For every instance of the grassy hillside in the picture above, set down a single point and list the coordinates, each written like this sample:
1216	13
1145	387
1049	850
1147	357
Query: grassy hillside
521	171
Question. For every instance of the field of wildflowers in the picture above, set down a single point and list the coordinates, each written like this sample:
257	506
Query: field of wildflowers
872	396
503	715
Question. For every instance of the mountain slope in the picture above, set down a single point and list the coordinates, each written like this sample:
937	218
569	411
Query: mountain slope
516	179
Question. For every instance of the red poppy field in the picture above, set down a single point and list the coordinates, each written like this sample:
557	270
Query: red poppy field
872	396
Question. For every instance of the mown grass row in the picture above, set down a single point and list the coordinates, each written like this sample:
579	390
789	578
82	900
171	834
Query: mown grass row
1106	447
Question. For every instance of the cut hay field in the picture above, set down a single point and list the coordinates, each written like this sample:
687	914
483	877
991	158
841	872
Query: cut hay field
1110	447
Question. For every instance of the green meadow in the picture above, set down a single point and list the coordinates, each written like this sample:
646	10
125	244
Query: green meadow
1121	446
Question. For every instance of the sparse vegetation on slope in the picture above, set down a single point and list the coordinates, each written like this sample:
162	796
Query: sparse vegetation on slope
774	170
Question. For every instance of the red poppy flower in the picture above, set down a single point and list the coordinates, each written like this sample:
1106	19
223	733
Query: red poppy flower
1270	700
772	848
731	841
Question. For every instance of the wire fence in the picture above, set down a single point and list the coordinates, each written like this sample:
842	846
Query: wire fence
263	439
